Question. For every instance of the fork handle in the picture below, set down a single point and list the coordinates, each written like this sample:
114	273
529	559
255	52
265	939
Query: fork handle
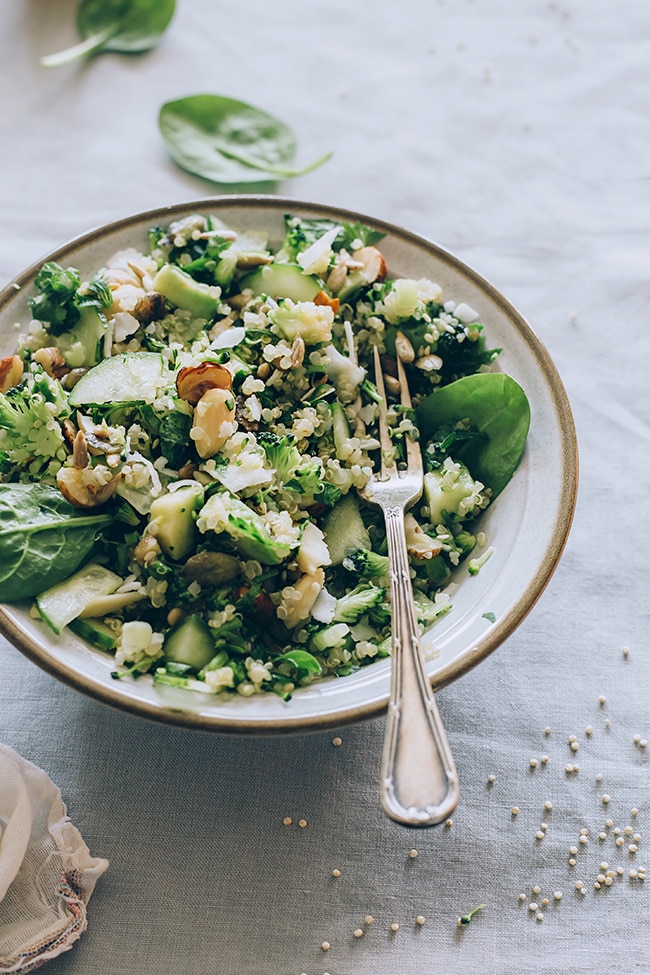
419	782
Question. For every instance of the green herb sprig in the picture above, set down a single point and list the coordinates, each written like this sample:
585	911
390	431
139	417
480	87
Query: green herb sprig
466	918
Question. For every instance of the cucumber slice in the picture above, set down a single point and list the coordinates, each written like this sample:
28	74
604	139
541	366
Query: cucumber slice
95	632
190	642
282	281
62	603
344	529
173	520
125	378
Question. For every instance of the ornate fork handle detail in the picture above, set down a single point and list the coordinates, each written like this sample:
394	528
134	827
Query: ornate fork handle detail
419	779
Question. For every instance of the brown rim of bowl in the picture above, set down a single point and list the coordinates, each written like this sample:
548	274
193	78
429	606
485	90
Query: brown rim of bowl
497	634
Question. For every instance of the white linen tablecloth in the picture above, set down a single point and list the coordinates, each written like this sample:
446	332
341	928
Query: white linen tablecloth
517	135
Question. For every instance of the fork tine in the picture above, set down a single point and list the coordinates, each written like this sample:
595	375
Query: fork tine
384	432
413	452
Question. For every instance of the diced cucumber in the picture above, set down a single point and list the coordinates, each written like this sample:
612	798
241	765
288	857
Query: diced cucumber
344	529
282	281
173	521
125	378
96	632
181	289
82	345
62	603
190	642
115	602
444	491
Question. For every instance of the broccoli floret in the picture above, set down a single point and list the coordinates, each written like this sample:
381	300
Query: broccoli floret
428	611
308	482
367	564
31	437
452	491
344	374
355	604
225	514
464	542
281	454
313	323
474	566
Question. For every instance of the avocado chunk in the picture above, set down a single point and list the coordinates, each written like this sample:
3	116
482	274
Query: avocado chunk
180	288
173	520
81	346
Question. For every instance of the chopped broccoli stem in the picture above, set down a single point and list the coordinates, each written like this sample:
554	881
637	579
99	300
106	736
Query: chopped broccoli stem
474	566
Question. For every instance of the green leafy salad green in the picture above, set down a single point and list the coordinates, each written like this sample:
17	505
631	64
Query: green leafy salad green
184	436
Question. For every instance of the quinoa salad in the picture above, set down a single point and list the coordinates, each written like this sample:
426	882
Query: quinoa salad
184	436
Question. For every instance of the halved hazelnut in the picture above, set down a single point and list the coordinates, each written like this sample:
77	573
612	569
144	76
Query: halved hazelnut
11	372
52	362
193	381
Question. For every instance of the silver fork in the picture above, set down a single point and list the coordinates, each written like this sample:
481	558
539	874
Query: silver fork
419	781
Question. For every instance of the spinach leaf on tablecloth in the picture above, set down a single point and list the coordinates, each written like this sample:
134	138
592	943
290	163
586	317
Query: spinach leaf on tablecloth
229	141
125	26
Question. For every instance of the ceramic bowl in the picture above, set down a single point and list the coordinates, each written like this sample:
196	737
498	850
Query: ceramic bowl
528	524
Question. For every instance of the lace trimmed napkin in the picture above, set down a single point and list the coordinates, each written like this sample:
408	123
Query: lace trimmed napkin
47	874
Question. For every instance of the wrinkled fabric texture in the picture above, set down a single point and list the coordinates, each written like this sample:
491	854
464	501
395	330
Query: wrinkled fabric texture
516	135
47	874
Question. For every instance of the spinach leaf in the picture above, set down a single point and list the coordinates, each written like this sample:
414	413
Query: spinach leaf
175	443
126	26
43	539
492	404
228	141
